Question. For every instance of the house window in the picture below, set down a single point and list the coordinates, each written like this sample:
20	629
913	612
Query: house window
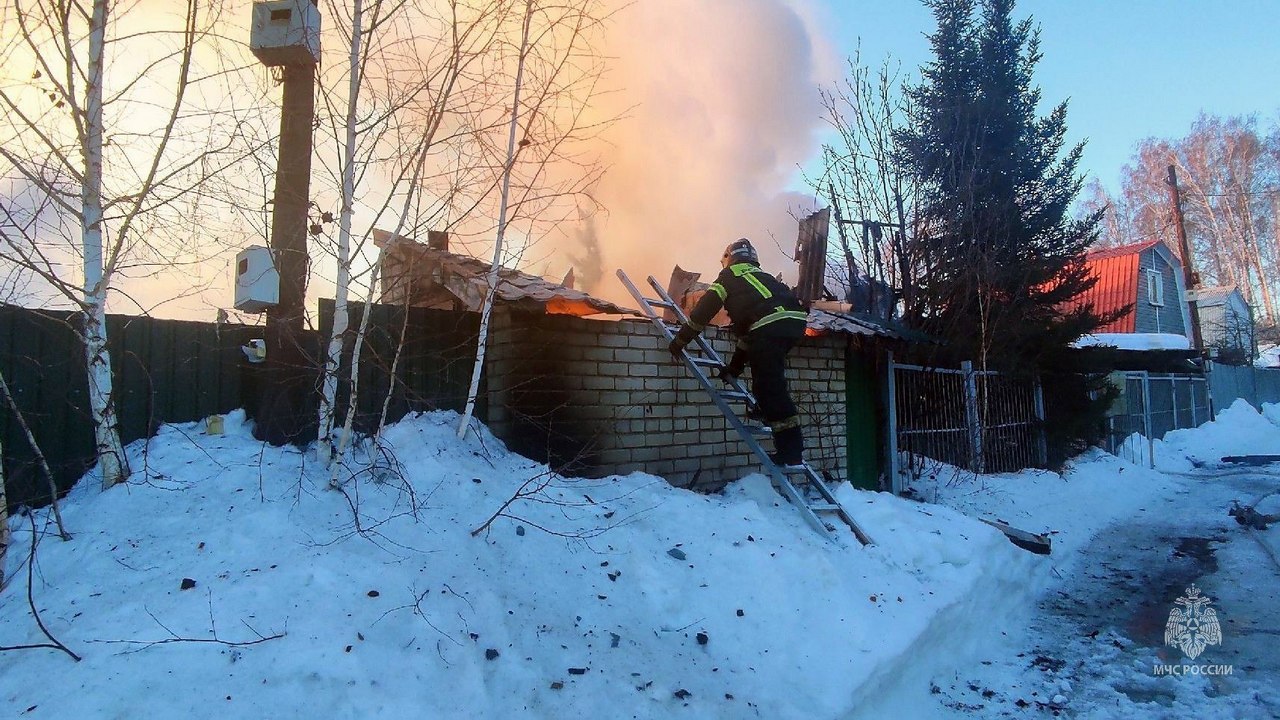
1155	287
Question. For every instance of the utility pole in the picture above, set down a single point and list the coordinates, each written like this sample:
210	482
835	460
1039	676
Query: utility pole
286	34
1189	274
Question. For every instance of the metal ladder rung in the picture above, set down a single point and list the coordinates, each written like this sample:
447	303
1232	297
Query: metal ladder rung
805	502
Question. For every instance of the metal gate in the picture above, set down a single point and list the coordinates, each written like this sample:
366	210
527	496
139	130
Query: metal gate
1151	405
984	421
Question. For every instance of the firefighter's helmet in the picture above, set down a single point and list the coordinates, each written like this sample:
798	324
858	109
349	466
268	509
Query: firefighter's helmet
739	250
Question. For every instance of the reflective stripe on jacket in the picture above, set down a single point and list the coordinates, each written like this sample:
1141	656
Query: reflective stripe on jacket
753	298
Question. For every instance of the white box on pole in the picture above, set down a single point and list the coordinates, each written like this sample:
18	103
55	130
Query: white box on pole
257	280
285	32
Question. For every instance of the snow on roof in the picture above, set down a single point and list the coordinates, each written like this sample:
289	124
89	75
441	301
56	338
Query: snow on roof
1134	341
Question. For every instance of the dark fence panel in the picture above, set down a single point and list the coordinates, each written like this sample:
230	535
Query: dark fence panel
172	371
163	371
434	371
43	365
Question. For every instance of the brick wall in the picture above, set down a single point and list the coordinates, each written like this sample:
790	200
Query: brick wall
606	397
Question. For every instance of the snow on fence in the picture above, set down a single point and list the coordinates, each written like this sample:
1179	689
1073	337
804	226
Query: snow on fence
977	419
1150	405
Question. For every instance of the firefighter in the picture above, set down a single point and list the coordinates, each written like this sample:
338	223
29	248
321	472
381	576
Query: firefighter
768	321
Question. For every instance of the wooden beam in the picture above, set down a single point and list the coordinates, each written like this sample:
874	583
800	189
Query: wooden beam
1031	542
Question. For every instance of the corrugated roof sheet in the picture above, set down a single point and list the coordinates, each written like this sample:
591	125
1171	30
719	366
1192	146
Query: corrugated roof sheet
1210	296
825	321
853	324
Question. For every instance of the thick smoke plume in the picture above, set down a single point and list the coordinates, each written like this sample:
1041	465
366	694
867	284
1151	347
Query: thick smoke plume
719	105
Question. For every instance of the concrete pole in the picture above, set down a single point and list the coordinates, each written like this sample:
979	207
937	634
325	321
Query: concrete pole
291	360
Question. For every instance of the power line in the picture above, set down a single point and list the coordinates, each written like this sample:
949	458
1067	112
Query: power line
1268	191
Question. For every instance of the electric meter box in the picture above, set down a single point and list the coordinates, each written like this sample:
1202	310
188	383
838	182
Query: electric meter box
285	32
257	281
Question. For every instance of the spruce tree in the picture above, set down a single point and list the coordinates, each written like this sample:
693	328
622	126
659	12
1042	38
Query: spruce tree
1003	255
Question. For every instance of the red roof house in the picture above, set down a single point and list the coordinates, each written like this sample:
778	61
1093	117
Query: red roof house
1147	277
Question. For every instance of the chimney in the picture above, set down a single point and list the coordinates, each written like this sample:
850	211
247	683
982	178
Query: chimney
438	240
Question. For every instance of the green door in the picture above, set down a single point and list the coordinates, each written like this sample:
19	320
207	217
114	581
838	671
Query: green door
861	422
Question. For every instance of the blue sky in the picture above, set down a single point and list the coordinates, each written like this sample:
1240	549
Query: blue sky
1131	68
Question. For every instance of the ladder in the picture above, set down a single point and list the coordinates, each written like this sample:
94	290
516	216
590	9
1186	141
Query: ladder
816	502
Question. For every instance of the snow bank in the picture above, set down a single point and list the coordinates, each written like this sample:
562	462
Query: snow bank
1237	430
1271	411
593	597
614	597
1049	503
1134	341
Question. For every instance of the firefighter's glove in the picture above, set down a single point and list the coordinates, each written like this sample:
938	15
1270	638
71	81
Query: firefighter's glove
726	373
676	348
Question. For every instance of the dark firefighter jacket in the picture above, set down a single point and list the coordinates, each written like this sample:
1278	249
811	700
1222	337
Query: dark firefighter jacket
759	305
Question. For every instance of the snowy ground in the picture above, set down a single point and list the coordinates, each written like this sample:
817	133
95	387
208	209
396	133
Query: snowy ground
620	597
1091	647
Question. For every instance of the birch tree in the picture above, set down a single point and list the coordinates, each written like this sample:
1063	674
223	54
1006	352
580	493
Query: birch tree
551	90
334	351
114	153
427	56
496	264
416	144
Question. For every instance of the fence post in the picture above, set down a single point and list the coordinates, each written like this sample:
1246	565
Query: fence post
1191	392
895	479
1146	419
1042	445
976	461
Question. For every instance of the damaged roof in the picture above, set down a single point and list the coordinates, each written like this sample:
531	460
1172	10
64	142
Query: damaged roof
466	278
829	321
